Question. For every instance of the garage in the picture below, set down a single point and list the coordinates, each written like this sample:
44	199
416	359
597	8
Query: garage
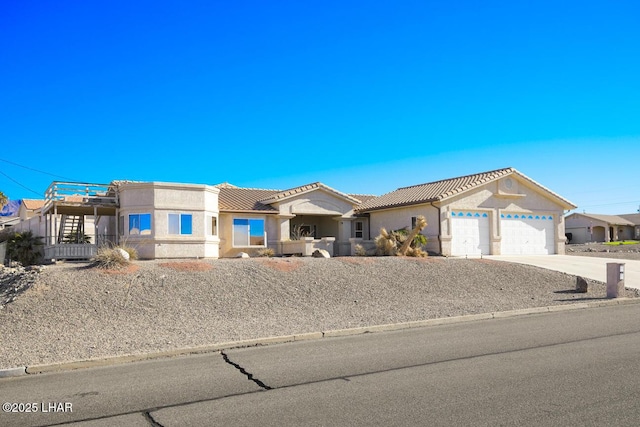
527	234
470	233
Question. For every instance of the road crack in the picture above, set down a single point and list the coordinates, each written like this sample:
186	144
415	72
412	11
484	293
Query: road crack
147	415
244	372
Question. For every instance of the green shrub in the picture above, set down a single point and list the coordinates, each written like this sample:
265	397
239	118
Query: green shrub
25	248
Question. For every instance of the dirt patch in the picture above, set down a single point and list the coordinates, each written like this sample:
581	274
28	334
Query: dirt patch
187	266
280	264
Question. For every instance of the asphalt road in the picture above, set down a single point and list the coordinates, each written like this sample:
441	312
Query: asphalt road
577	367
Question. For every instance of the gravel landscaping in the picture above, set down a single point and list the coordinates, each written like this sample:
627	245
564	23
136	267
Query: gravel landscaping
75	312
605	251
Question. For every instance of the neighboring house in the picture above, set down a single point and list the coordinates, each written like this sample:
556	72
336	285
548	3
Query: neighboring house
9	214
586	227
30	208
29	217
497	212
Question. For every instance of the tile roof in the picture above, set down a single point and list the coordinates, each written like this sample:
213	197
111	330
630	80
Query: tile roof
32	204
245	199
363	197
610	219
236	199
306	188
634	218
439	190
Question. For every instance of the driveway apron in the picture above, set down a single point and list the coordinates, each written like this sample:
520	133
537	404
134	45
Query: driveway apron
588	267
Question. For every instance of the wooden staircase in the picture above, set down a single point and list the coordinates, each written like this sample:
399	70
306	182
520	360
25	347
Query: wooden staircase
71	226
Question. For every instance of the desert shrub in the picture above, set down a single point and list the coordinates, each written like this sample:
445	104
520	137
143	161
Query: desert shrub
416	252
359	250
133	252
266	252
109	258
401	241
387	242
298	232
25	248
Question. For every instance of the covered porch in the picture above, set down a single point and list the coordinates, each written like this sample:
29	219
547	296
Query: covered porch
74	214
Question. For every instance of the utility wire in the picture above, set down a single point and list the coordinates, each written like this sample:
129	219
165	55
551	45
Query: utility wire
35	170
23	186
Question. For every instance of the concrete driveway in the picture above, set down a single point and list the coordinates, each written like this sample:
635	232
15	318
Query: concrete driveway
588	267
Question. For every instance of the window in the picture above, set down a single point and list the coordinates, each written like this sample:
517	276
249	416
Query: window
121	225
180	223
248	232
359	229
413	222
214	226
139	224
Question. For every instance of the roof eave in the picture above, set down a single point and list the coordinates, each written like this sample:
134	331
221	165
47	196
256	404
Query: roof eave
399	205
271	212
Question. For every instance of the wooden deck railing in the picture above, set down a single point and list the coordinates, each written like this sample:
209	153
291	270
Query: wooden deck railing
81	192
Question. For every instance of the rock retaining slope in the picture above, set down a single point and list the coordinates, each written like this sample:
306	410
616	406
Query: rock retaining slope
74	312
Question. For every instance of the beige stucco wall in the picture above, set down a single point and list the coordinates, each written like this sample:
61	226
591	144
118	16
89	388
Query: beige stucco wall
226	233
316	202
35	224
161	199
495	198
330	213
582	229
393	219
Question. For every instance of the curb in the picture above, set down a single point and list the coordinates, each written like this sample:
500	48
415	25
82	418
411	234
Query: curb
13	372
116	360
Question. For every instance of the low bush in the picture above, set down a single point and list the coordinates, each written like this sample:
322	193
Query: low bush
109	258
359	250
266	252
133	252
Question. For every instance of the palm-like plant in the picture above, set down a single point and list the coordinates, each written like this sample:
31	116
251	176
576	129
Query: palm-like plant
24	247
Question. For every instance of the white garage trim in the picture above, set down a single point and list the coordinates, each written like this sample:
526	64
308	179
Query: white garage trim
527	234
470	233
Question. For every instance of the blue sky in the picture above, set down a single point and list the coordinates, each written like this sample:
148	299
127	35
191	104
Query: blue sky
365	96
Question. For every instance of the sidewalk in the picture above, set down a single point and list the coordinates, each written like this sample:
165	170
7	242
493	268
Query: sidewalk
588	267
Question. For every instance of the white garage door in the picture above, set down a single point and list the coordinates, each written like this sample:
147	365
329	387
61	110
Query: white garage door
527	234
469	233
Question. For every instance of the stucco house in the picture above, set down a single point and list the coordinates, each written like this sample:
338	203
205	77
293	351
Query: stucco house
586	227
499	212
496	212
